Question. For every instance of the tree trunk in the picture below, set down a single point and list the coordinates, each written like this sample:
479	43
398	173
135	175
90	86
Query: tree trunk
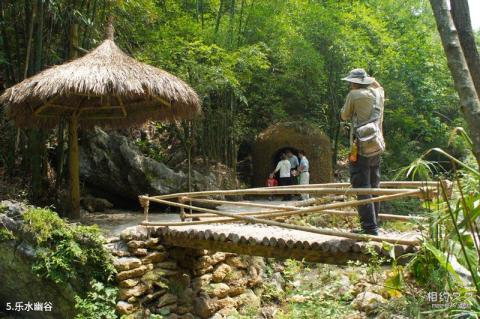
219	16
457	64
461	18
9	71
201	14
36	136
73	156
240	20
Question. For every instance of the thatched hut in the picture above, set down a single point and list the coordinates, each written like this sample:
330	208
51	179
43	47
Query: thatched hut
277	138
105	87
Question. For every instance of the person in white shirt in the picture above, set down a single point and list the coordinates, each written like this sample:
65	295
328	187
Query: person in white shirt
285	178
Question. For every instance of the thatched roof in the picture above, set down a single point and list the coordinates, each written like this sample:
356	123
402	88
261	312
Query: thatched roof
106	86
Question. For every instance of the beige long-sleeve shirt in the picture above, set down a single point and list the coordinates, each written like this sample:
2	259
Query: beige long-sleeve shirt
360	102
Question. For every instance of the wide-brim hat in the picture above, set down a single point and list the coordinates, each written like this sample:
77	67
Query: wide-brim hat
359	76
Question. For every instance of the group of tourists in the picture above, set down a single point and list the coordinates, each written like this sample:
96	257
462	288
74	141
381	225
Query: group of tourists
292	170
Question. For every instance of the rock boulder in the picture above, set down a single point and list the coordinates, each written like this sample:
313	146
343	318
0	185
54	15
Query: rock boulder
112	166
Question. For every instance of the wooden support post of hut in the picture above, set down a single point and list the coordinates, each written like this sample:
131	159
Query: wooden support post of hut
74	167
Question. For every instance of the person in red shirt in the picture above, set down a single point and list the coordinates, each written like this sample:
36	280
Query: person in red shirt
271	182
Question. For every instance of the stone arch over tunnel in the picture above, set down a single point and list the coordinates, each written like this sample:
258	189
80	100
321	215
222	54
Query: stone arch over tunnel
279	137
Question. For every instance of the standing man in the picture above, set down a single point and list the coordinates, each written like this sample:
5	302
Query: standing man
293	159
285	179
304	169
364	108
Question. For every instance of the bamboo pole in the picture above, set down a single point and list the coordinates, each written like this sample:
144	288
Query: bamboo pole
182	209
242	204
323	207
194	222
233	220
277	213
145	203
405	218
318	208
383	184
282	191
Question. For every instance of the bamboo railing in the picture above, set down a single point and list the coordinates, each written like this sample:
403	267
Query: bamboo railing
268	214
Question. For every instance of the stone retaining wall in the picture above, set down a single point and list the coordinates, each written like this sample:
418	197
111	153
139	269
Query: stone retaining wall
181	283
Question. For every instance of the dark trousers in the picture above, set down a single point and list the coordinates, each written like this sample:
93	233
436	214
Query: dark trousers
365	173
294	180
285	181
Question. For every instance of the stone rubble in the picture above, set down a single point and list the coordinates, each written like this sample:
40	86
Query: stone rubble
368	302
181	283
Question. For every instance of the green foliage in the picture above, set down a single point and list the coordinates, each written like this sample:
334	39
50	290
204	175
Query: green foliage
6	234
152	150
451	247
247	312
99	302
317	292
67	252
73	254
271	293
292	268
374	264
316	309
44	224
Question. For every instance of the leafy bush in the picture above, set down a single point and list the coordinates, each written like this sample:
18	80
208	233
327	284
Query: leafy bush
73	254
6	234
67	252
99	302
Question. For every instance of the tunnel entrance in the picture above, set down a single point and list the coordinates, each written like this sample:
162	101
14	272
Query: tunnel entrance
278	138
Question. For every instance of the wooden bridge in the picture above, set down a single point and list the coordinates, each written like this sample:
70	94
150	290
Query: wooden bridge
262	228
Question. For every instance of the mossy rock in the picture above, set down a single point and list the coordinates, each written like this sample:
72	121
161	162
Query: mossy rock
45	259
19	283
